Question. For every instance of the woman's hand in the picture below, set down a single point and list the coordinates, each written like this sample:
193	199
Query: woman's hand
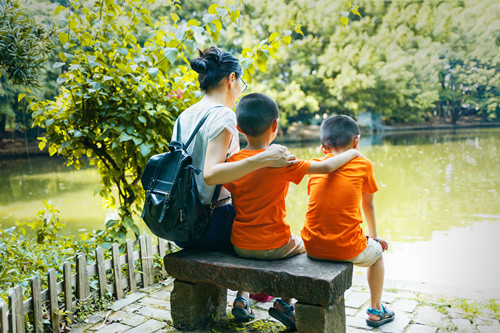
276	156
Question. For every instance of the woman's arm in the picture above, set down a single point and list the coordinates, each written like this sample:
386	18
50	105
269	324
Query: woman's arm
215	171
333	163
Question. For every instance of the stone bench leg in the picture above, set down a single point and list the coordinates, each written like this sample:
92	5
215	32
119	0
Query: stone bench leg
319	319
192	305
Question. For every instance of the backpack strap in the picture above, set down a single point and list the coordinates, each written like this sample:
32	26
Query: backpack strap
197	128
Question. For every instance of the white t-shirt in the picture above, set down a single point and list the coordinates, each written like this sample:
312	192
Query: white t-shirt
220	118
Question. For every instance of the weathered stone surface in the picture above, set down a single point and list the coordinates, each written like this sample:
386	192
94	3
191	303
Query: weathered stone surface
356	299
149	326
488	329
429	315
405	305
351	311
126	318
418	328
399	324
193	304
357	321
154	313
463	325
313	318
113	328
309	281
129	299
155	303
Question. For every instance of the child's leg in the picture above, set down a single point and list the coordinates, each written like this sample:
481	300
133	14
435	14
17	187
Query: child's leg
376	283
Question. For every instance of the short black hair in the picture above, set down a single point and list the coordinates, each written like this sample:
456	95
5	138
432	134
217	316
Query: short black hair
255	113
338	131
213	65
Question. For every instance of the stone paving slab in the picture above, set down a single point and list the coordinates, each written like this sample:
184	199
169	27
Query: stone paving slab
149	326
127	318
154	313
129	299
149	311
463	325
417	328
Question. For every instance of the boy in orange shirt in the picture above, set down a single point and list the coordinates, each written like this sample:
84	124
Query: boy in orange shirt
259	228
332	230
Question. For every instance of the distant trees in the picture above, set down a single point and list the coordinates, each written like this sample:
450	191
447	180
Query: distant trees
25	47
407	60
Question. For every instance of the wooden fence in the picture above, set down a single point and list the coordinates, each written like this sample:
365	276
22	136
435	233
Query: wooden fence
12	319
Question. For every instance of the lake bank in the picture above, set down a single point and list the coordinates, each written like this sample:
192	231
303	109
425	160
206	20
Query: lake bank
20	148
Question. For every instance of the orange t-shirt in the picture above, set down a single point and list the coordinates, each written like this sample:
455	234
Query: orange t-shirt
259	202
333	220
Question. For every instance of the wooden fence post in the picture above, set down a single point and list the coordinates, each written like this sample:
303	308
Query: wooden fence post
36	300
82	281
131	266
101	270
161	252
149	247
68	291
146	268
53	302
17	324
4	322
117	272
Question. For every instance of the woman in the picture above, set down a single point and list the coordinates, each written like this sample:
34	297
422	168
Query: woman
220	76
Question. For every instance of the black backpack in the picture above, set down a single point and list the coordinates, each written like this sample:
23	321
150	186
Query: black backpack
172	208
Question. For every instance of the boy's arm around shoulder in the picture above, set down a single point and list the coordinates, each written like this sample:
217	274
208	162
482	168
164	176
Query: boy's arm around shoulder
369	210
332	163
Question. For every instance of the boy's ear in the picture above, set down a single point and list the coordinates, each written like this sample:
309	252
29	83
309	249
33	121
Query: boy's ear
324	150
355	141
275	125
239	129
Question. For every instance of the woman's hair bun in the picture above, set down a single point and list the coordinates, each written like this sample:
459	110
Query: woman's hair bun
199	65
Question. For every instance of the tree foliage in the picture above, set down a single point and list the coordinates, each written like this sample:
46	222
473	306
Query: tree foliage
25	44
395	58
120	96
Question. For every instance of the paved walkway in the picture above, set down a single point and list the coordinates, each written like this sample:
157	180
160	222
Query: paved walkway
149	311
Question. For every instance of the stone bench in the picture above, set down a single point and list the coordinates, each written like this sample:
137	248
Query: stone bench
202	279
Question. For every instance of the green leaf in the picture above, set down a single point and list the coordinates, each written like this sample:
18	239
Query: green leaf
153	71
246	63
20	97
273	36
142	119
193	22
145	149
52	150
58	64
41	145
125	137
344	21
63	37
122	51
171	54
209	18
59	9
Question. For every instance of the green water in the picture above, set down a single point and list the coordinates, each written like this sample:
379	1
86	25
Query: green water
438	203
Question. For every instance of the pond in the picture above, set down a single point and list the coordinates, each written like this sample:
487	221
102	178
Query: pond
438	203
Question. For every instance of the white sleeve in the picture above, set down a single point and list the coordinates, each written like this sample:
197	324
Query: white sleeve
222	120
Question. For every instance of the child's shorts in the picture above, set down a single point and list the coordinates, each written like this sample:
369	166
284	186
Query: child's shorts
368	257
295	246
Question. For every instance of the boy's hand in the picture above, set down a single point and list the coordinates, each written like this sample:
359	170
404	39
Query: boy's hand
385	245
278	156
